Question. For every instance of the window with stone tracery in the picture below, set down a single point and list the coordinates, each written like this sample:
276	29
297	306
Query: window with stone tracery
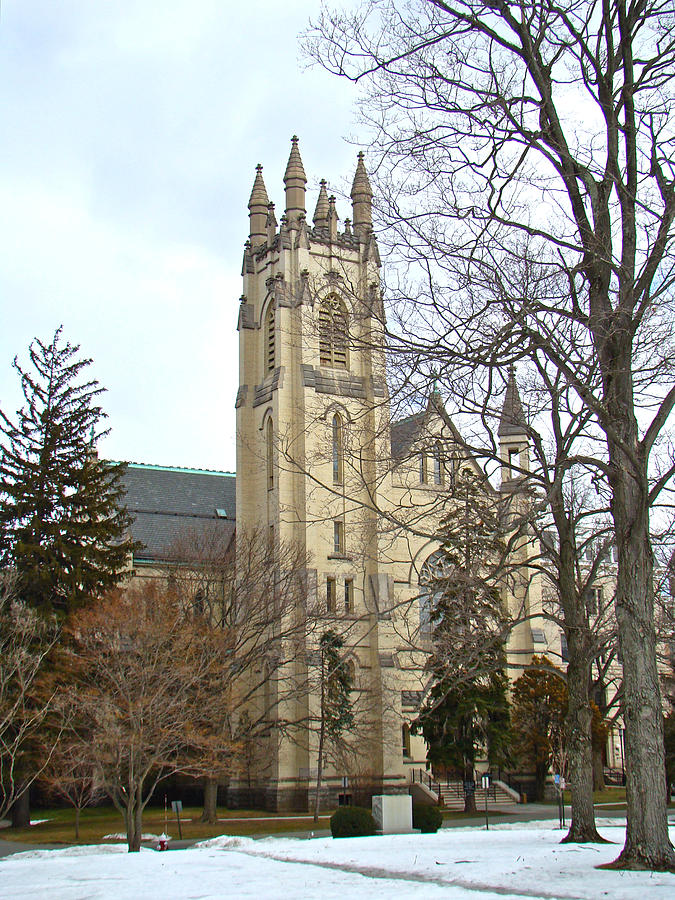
333	333
435	572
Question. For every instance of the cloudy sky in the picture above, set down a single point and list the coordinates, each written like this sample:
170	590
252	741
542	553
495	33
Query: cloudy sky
130	131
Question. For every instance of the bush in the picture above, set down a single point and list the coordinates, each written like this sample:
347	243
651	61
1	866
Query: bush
427	818
351	821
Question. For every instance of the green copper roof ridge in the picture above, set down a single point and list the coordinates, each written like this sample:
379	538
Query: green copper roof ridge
158	468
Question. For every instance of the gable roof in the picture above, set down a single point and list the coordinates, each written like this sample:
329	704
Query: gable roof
168	504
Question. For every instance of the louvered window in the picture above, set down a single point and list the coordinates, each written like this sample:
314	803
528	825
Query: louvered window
333	333
270	359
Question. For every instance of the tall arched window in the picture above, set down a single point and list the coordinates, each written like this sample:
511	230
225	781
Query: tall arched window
270	350
338	449
438	463
422	460
269	452
333	333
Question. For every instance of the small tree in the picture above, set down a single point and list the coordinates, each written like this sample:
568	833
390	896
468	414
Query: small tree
26	640
71	774
539	712
252	592
335	706
147	678
61	526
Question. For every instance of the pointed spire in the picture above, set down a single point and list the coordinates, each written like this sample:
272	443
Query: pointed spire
332	219
257	209
512	421
295	181
362	196
321	211
271	224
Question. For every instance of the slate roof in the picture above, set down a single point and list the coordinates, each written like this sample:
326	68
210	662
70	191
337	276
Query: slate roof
167	504
513	418
404	434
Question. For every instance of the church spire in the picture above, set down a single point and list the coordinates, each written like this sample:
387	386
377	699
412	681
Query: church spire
512	420
295	181
257	209
362	196
321	211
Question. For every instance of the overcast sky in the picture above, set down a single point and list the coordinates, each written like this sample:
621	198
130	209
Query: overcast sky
130	131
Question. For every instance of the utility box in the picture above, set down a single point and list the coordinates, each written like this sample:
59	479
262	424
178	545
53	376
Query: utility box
393	813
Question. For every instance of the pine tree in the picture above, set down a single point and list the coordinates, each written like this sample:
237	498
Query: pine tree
62	528
467	709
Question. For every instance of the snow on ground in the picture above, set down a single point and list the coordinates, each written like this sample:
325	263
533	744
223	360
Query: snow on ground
503	863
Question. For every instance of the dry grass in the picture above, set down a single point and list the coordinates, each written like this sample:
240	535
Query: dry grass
96	823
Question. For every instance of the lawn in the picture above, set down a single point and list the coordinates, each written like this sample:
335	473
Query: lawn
610	796
96	823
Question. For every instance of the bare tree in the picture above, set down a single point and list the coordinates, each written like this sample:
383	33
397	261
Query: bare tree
255	591
26	640
147	679
71	773
519	130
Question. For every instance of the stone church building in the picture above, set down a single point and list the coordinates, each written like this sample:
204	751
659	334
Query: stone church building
320	465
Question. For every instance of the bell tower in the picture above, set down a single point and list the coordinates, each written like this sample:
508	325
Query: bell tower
313	451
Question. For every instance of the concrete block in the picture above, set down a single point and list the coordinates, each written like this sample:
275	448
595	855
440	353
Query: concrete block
393	813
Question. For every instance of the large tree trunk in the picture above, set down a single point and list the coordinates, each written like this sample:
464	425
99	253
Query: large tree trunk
540	773
319	772
469	796
210	812
20	812
598	770
579	742
578	724
647	843
134	821
77	823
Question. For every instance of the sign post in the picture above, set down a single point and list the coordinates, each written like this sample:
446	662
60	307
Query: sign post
177	807
560	787
485	782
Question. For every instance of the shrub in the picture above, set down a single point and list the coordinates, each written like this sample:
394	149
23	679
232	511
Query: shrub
427	818
351	821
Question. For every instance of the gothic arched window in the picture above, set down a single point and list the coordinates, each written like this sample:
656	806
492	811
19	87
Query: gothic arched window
438	463
269	454
337	449
433	576
269	349
333	333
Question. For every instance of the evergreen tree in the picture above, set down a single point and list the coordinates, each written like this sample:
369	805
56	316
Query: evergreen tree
335	709
459	722
467	709
61	525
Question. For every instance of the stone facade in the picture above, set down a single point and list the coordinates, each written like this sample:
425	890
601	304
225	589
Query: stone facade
320	464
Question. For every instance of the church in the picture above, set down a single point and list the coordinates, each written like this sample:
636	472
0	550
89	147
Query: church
321	466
